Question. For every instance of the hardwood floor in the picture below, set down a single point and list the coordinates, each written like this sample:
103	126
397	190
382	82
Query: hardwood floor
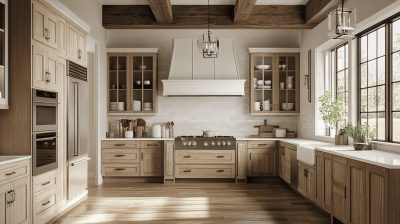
272	202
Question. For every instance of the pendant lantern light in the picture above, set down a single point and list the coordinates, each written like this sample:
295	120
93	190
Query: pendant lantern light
341	23
209	42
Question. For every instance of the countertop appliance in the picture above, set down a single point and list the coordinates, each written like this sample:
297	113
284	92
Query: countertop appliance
205	143
77	128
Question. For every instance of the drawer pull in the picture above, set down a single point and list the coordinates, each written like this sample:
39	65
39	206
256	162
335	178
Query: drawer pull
187	171
45	203
152	144
220	156
306	173
46	183
187	156
263	144
11	173
220	171
119	169
119	155
119	145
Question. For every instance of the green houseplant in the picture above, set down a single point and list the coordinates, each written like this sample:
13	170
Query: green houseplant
361	133
332	111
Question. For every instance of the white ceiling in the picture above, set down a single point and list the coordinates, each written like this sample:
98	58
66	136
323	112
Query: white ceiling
204	2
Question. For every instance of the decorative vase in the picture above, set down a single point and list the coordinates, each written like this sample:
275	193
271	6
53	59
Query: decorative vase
361	144
341	139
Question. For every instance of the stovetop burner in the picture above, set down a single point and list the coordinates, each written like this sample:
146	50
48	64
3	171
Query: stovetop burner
205	143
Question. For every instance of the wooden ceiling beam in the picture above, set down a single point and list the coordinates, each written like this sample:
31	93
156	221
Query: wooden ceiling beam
195	17
162	10
317	10
243	9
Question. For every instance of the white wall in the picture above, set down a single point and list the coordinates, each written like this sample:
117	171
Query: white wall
225	115
368	13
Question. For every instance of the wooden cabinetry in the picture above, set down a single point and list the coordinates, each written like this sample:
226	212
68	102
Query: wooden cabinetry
132	81
47	68
288	167
44	26
340	189
261	162
15	193
169	161
323	196
131	158
306	181
241	164
269	69
382	205
357	192
76	45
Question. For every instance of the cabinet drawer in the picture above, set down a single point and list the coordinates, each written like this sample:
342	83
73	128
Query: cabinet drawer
120	144
205	157
121	155
44	181
45	201
15	170
121	170
261	144
205	171
150	144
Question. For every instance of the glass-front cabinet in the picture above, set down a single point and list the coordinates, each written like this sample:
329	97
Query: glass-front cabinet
3	54
274	82
132	82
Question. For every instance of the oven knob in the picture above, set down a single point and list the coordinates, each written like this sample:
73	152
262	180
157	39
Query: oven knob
184	143
194	143
212	143
205	144
189	143
218	143
228	143
223	143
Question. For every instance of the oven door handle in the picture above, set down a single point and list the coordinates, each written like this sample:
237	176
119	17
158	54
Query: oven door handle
39	102
45	139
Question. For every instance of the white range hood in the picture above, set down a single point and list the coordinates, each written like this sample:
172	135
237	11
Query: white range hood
192	75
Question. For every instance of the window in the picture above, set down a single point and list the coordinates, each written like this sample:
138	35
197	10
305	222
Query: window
379	80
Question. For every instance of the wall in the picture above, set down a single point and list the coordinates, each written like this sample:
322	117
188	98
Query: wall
225	115
316	39
90	12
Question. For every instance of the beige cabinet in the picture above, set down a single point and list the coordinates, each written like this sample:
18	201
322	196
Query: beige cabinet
45	26
323	196
20	206
382	207
241	164
261	162
340	189
306	181
76	45
357	192
150	165
169	161
288	167
47	68
5	199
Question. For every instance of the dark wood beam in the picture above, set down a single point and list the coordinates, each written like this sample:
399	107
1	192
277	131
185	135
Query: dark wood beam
317	10
162	10
195	17
243	9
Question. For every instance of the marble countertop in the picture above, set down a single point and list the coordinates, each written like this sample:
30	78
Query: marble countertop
138	139
12	159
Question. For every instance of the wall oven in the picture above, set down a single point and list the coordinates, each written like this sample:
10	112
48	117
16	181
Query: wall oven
44	112
44	152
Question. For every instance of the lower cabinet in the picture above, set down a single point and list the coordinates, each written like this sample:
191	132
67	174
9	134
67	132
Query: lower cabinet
261	162
357	192
340	189
45	197
150	165
306	181
288	167
241	164
323	196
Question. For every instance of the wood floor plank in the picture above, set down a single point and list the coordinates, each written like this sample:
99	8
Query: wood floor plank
190	203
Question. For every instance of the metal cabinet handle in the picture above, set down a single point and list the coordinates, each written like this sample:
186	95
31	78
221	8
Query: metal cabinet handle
119	145
220	171
46	183
187	171
264	144
119	155
11	173
119	169
187	157
220	156
152	144
142	155
46	203
46	34
306	173
79	53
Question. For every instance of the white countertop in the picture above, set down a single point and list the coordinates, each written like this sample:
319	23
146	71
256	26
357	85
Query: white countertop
12	159
138	139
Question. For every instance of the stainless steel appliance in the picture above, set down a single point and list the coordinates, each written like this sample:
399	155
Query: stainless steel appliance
205	143
44	110
44	152
77	128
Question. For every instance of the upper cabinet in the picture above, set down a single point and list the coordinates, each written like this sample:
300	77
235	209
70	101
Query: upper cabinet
44	26
274	81
132	81
3	54
76	45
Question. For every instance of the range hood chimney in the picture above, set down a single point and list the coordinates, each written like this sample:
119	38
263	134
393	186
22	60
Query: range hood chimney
192	75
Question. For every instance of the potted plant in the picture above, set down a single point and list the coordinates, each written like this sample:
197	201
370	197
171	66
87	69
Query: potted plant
332	111
361	134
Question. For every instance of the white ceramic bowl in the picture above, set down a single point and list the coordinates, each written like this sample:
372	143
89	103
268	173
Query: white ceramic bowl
262	67
287	106
267	82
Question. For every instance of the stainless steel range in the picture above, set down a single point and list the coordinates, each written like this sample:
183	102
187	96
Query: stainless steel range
205	143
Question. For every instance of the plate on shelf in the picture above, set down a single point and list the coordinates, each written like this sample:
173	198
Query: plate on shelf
262	67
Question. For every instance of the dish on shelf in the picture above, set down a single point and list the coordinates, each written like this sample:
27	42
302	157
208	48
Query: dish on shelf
264	87
262	67
143	67
147	109
282	67
287	106
267	82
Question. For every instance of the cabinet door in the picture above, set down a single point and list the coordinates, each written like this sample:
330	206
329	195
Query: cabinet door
168	160
51	28
311	184
339	194
62	35
51	67
302	188
357	192
377	195
4	207
150	165
241	160
81	48
72	42
282	161
20	208
328	181
38	23
39	66
261	162
320	179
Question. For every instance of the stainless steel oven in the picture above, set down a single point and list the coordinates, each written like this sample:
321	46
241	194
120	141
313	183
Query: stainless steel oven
44	147
44	112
